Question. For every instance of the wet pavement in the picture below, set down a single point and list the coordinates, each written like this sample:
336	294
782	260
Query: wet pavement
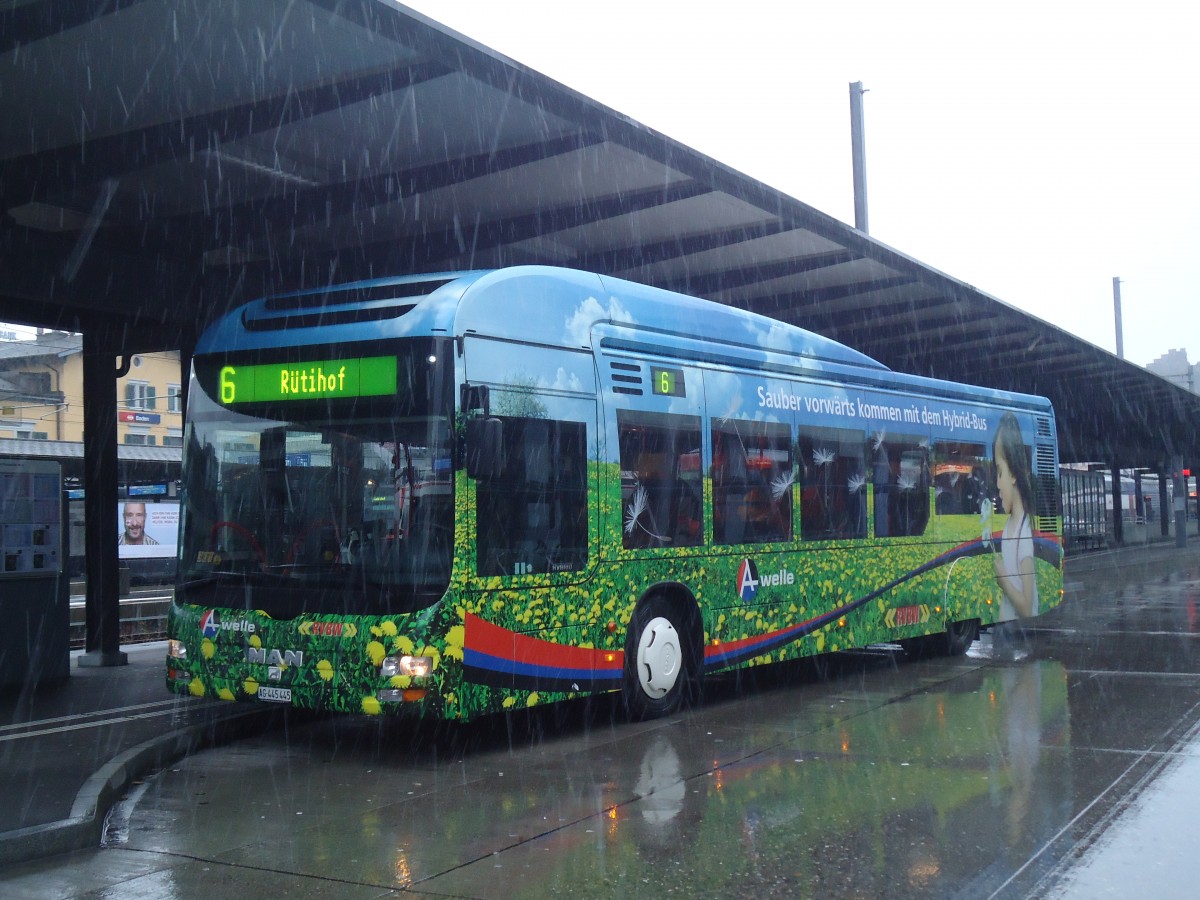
67	749
1061	761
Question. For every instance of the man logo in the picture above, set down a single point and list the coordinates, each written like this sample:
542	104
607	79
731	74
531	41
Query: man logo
210	625
747	580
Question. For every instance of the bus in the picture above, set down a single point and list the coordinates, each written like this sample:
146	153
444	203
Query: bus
462	494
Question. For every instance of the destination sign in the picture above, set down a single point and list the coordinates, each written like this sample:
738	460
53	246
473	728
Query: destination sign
372	376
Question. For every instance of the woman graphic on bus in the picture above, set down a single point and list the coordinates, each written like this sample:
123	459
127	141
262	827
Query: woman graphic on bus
1014	483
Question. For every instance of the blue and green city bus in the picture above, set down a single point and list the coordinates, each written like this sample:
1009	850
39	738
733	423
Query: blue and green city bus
462	494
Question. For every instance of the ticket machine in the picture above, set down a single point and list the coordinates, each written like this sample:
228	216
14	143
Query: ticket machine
34	585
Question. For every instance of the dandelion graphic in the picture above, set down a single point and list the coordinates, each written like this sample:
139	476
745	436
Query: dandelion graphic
823	458
906	483
878	439
637	506
781	484
855	485
985	522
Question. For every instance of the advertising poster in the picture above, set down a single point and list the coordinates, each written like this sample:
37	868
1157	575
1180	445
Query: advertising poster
147	530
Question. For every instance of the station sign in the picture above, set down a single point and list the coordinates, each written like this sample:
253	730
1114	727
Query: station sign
139	418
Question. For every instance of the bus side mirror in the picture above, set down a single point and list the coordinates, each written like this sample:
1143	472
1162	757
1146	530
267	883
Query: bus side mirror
485	448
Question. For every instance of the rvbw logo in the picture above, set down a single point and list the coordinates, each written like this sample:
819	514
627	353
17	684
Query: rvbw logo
748	581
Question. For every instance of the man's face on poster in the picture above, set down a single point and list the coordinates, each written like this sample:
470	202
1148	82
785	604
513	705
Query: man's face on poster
135	522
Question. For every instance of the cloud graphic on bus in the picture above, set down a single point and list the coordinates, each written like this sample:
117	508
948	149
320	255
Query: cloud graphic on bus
579	326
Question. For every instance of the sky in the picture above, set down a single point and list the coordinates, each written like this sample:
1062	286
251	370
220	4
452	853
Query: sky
1035	150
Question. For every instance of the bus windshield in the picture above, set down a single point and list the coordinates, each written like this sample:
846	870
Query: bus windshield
354	512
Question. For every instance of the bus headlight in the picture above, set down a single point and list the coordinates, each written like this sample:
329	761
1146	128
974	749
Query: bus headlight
413	666
176	649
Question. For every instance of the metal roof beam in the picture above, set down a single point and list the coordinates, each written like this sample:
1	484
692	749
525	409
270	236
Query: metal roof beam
306	207
54	277
453	243
623	259
42	175
464	246
1013	341
715	282
26	23
931	320
852	314
802	302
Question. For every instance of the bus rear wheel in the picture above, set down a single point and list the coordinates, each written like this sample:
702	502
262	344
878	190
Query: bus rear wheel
662	660
959	636
954	641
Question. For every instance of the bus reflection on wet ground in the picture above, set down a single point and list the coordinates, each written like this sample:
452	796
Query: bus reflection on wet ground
1001	773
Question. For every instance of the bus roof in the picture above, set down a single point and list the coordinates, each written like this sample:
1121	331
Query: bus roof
554	307
535	304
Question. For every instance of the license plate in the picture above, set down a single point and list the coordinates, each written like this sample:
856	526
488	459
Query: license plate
274	694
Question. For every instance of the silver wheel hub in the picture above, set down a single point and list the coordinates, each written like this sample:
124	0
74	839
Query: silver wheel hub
659	657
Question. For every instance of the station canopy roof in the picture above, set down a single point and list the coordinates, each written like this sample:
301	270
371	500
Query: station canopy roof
162	160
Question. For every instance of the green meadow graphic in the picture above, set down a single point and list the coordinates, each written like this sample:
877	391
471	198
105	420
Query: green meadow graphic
339	668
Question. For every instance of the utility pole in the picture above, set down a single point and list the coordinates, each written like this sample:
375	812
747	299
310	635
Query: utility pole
1117	314
858	155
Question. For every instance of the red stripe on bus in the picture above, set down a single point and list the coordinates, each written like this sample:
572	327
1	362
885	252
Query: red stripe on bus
482	636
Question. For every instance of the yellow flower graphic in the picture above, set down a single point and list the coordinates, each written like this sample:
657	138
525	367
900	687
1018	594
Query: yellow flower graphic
376	652
403	645
388	628
370	705
225	693
325	670
250	686
207	648
433	653
196	687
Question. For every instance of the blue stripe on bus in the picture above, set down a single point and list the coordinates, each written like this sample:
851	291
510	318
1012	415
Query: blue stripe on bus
477	660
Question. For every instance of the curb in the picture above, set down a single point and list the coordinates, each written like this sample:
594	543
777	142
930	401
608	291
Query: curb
83	828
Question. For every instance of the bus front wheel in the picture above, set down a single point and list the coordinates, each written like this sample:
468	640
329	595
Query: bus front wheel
662	660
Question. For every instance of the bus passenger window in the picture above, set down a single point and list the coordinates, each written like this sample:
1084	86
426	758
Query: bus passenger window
900	485
833	500
662	493
960	478
752	482
533	518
